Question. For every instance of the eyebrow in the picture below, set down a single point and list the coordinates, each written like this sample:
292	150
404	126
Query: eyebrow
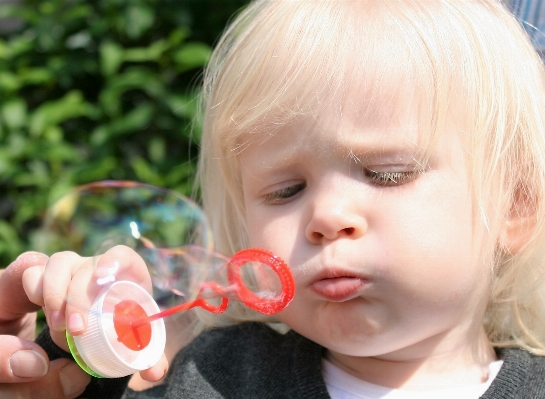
362	152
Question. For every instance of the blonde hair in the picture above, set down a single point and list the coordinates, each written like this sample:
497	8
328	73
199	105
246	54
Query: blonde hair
468	59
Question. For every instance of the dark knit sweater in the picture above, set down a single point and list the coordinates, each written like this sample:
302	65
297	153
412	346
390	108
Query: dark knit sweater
252	361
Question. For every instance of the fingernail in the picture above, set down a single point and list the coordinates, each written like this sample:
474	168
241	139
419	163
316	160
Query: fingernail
56	320
75	322
73	379
106	273
107	270
27	364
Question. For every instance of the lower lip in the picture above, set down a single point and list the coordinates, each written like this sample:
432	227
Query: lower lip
338	289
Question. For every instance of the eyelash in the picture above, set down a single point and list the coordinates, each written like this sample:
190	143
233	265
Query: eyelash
384	179
278	197
390	179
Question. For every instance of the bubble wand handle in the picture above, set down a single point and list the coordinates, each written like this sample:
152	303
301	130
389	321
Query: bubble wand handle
197	303
268	306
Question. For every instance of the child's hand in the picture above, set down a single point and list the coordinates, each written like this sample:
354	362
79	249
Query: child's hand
25	370
68	284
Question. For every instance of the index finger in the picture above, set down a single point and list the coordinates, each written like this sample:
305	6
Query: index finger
118	264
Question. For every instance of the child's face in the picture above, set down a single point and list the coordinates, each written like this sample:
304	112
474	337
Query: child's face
386	253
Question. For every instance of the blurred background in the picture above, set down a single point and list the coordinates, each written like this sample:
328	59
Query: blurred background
94	90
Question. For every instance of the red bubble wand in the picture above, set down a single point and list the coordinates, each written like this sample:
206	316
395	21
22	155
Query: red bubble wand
133	325
128	335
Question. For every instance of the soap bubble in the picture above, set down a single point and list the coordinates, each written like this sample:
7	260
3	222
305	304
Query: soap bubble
172	236
162	226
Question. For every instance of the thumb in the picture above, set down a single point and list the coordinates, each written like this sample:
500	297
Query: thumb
21	360
64	379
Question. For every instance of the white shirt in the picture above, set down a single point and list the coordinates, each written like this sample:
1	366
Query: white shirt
342	385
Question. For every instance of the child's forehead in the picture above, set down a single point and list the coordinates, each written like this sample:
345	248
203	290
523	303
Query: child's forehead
358	119
347	131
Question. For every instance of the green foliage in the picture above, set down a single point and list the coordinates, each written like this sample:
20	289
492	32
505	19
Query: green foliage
93	90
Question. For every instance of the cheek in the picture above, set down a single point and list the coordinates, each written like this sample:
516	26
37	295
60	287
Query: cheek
275	232
438	251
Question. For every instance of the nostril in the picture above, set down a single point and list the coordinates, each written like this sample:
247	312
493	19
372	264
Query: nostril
317	235
349	230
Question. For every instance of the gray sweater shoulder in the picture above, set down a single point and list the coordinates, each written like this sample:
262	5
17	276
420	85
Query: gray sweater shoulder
248	360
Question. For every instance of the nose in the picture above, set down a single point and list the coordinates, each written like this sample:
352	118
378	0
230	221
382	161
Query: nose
335	214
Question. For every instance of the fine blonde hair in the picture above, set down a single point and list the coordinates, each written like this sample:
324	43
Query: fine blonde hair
468	60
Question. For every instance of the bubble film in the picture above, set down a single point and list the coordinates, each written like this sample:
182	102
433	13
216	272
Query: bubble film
170	233
160	225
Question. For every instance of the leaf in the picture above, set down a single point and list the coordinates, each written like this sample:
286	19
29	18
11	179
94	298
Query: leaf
157	149
182	105
133	121
5	50
144	54
145	172
76	12
181	173
177	36
98	170
9	81
192	55
111	58
78	40
35	76
10	244
53	112
14	113
139	19
7	166
38	175
134	78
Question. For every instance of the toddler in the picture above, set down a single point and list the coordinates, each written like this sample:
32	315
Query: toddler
392	152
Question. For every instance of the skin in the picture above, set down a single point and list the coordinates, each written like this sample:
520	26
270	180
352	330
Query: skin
25	370
341	195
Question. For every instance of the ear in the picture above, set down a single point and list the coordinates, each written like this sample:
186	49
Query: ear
520	221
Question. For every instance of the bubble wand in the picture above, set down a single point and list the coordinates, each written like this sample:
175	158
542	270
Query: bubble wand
126	331
132	324
99	353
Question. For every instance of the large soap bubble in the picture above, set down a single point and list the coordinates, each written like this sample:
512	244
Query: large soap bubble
172	235
159	224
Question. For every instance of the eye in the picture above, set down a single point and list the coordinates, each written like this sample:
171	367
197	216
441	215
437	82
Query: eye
281	196
389	179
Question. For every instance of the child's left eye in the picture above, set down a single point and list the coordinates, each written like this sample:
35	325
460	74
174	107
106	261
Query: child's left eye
388	179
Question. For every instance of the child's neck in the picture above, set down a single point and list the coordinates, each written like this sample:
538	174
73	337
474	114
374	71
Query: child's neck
407	369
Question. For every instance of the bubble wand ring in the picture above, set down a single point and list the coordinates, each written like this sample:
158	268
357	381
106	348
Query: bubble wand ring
248	297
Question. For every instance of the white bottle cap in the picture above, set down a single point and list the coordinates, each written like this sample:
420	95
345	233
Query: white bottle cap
98	350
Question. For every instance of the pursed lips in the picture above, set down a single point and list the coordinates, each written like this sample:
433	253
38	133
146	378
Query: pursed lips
338	285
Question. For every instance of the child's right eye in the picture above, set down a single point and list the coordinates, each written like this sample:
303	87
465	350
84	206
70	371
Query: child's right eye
281	196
